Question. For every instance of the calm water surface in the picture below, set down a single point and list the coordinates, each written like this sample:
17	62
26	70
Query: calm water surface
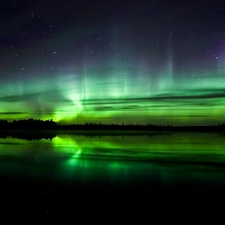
75	163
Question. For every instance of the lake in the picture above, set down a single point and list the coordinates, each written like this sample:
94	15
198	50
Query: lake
68	166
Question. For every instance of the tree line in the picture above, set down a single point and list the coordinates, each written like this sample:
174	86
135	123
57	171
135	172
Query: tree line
37	124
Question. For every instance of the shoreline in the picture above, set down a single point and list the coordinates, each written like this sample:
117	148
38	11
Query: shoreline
108	131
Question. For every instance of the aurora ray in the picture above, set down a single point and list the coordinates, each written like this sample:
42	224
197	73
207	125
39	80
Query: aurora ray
123	65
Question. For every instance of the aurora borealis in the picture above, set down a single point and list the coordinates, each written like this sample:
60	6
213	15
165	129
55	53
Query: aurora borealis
102	61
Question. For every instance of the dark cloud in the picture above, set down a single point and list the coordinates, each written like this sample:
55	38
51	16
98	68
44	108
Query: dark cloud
12	113
191	98
53	96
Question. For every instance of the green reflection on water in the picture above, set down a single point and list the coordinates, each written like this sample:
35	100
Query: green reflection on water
177	146
166	158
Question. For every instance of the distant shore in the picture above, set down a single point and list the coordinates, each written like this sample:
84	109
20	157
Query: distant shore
49	125
39	134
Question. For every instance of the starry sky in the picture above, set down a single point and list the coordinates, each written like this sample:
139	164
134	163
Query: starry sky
159	61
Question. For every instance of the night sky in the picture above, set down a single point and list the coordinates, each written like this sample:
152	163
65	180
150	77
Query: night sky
160	61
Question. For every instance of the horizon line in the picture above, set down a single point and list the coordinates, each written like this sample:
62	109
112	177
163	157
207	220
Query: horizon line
106	124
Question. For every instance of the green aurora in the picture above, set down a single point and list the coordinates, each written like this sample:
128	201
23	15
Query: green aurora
118	96
141	62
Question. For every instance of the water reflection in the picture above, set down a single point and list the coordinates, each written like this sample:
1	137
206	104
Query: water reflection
117	161
202	147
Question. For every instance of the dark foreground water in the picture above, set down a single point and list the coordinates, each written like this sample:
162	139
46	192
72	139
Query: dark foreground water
71	167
